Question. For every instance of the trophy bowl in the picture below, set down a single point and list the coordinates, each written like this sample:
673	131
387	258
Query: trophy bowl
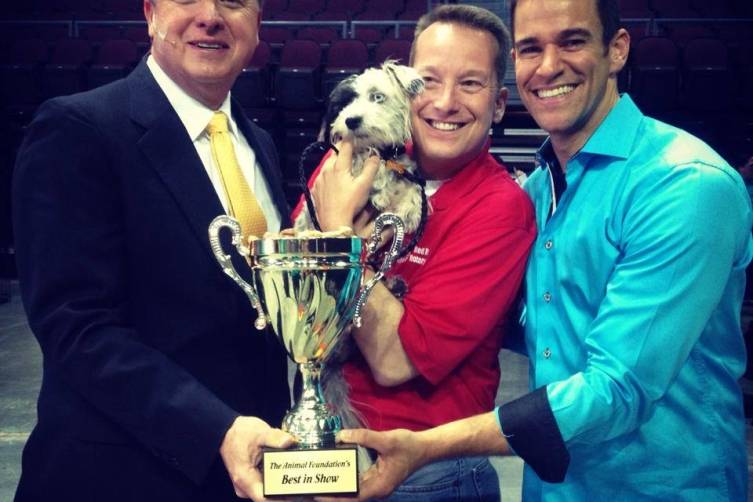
308	290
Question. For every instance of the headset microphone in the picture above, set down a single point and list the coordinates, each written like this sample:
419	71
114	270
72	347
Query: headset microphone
161	34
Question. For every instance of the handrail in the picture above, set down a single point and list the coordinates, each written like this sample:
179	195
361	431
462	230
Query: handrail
69	24
78	24
396	24
342	25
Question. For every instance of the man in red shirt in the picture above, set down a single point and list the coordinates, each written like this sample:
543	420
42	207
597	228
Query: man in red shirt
432	356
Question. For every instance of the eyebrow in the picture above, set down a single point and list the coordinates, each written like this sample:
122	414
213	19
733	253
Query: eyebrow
563	35
470	72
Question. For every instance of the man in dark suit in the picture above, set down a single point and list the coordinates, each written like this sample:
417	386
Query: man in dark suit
156	385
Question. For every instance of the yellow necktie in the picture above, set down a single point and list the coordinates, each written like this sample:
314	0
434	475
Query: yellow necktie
242	203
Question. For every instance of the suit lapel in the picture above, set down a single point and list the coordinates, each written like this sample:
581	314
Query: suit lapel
171	154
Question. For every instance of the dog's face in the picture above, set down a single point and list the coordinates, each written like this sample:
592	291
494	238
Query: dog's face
374	107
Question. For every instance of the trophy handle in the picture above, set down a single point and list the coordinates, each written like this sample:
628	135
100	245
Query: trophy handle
384	219
224	221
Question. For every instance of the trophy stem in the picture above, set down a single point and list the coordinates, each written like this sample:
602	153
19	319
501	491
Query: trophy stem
311	421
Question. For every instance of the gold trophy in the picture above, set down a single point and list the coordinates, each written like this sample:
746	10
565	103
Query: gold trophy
308	290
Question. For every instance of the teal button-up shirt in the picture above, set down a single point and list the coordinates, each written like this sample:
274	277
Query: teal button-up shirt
632	323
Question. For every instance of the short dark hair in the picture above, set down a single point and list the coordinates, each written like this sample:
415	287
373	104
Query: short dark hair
473	17
609	16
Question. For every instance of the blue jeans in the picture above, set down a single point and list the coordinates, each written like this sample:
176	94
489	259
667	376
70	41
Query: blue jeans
462	479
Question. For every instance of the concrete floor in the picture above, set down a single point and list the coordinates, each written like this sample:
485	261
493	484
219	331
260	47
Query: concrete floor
20	377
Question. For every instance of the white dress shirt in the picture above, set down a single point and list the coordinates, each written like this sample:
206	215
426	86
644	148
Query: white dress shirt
195	117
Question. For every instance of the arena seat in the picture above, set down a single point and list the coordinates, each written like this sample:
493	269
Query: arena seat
114	60
297	78
654	70
707	82
252	88
64	73
392	49
344	58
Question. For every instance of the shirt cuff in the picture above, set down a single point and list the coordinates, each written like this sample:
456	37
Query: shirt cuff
531	430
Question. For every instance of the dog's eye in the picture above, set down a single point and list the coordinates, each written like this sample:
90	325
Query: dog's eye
376	97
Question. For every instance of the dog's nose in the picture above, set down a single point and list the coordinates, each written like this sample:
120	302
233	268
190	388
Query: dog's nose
353	123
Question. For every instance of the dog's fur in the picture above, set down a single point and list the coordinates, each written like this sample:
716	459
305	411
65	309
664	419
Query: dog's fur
373	108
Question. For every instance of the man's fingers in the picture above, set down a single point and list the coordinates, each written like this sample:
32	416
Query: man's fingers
370	167
254	485
277	438
344	155
244	487
372	486
361	437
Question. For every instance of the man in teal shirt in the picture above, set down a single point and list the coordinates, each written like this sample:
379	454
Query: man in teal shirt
633	292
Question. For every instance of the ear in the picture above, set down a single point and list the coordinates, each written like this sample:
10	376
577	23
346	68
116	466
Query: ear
406	77
500	104
619	48
341	96
149	16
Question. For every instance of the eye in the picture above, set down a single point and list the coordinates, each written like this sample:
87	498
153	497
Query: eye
528	51
430	82
573	43
235	4
471	86
376	97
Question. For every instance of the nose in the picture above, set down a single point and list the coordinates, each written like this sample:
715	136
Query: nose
551	64
445	98
208	15
353	123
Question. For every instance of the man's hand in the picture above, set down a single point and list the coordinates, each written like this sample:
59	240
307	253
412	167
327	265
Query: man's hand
400	451
241	451
338	195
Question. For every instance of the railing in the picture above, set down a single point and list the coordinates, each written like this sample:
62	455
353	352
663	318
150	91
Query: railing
68	24
395	24
77	25
652	25
341	25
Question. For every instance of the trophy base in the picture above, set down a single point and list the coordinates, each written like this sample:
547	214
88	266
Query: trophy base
331	471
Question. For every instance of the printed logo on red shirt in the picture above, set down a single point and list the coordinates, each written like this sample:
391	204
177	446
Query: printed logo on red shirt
418	256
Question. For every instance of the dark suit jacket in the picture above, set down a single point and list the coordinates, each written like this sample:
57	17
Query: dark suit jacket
149	349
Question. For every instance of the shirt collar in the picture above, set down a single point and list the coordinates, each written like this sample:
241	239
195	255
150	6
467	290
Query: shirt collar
193	114
616	133
464	181
624	117
545	155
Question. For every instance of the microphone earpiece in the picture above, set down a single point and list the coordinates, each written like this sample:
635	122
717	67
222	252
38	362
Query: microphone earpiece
161	34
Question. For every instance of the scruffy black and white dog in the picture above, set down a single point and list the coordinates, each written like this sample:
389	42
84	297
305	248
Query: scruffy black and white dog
373	108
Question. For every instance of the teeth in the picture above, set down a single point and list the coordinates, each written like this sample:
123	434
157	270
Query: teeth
205	45
444	126
557	91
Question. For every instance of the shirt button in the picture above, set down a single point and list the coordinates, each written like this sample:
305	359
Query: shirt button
548	244
547	297
547	353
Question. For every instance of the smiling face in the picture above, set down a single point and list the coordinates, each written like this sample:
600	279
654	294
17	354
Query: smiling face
203	45
452	117
566	77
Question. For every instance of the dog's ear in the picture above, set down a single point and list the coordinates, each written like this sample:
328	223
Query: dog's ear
341	96
408	78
